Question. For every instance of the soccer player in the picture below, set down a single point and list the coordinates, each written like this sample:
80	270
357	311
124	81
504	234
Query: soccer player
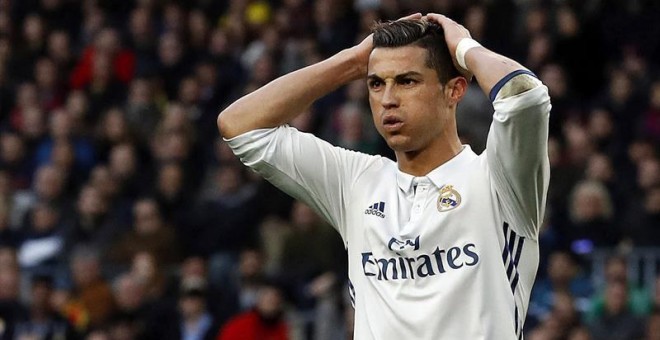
442	243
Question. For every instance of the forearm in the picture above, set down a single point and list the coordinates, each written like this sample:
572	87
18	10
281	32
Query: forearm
489	68
284	98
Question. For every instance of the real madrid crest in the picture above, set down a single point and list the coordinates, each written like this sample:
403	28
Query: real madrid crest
448	199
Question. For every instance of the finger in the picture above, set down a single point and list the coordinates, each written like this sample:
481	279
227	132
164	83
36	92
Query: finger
439	18
447	23
412	16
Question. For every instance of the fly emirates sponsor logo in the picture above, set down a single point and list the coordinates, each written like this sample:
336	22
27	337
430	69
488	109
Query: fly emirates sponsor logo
413	265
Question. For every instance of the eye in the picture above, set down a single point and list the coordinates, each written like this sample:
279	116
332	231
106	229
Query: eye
375	84
407	81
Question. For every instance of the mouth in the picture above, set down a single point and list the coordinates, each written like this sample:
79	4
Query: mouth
392	123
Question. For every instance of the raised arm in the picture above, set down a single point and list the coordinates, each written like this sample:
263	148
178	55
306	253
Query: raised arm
517	147
286	97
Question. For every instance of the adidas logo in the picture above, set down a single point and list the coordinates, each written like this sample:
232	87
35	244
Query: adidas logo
377	209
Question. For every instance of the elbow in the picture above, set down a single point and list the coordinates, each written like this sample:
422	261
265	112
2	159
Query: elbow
224	125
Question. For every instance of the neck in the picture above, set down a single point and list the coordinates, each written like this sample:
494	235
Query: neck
423	161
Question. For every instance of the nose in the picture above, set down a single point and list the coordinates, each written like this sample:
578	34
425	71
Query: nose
390	98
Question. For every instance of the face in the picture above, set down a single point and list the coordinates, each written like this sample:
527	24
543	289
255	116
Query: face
409	105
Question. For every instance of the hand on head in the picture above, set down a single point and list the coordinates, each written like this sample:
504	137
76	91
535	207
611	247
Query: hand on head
363	49
454	33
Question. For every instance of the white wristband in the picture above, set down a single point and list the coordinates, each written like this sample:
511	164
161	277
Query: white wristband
463	46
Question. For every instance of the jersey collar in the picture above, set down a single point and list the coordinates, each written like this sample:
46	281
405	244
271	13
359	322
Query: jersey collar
438	176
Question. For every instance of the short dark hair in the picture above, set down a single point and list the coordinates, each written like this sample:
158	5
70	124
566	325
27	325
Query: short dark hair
422	33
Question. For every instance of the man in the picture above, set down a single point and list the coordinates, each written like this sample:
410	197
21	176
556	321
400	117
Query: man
442	244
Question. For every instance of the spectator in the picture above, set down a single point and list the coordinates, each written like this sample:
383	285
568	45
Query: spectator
651	120
313	273
129	294
49	87
637	299
77	105
146	268
142	114
174	200
12	309
43	322
33	45
193	319
600	126
644	225
42	247
265	321
150	233
653	326
103	90
112	130
124	167
141	39
591	214
61	126
26	116
244	281
93	223
117	60
9	237
227	219
564	277
48	187
60	52
14	161
198	29
90	291
173	65
221	304
617	322
655	295
109	187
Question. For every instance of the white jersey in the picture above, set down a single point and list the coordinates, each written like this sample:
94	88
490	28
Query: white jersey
450	255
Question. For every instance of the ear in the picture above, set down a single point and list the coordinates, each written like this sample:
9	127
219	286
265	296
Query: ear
455	89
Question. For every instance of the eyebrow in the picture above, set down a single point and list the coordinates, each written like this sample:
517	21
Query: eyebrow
398	77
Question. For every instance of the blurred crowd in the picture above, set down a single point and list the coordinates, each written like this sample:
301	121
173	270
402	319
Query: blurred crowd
124	215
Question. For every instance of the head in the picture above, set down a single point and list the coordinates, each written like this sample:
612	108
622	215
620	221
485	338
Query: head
270	303
170	181
44	218
561	268
129	292
123	161
49	182
41	289
192	298
590	201
91	202
303	217
114	127
616	269
616	297
413	85
145	267
85	266
147	217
